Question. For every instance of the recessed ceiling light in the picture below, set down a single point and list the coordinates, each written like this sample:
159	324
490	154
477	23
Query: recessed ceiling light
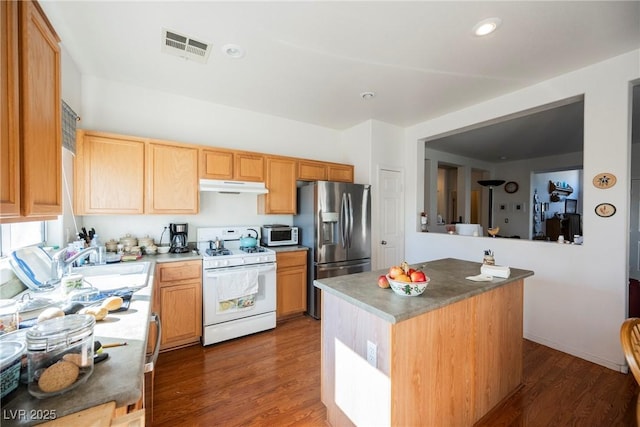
486	26
367	95
233	51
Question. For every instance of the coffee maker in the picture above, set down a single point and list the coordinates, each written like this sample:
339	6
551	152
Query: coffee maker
178	236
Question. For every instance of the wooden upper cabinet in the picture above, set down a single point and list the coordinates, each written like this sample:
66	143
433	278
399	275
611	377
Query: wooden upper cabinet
249	167
109	174
216	164
40	114
281	181
340	172
231	165
9	112
31	131
172	179
309	170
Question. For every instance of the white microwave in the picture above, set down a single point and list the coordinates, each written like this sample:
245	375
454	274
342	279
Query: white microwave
279	235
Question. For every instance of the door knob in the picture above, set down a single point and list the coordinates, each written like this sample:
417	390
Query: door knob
384	242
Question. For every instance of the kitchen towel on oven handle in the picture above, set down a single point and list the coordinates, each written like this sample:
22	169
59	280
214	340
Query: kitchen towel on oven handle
237	284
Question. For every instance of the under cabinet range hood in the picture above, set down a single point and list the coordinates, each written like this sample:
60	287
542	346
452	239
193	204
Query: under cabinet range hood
232	187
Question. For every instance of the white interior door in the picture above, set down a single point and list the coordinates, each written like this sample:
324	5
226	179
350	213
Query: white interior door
391	213
634	231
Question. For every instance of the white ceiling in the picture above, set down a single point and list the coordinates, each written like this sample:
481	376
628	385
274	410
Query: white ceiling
309	61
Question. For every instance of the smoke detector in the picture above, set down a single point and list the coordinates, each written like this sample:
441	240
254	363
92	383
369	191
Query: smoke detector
185	46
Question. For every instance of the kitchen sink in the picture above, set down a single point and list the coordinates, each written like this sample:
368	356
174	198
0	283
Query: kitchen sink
116	276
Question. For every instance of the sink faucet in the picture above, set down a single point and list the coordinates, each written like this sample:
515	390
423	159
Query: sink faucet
61	266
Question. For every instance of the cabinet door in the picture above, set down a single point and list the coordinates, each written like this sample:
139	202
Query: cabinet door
281	182
291	291
249	167
342	173
312	171
216	164
172	179
291	283
181	314
109	175
40	114
9	109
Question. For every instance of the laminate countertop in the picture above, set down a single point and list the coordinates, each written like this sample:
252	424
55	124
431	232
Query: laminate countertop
294	248
447	286
120	378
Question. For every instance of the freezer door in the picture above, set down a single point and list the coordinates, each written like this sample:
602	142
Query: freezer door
314	294
359	221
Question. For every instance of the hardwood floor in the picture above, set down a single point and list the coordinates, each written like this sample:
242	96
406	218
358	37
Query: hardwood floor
273	379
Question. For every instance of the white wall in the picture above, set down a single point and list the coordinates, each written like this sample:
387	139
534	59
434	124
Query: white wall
576	301
115	107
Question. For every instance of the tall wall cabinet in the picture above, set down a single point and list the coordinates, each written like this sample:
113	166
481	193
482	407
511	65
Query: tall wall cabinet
30	116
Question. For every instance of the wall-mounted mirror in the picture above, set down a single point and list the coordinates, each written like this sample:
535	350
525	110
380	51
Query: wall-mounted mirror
537	153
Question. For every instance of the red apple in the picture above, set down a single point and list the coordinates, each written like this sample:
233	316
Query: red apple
395	271
383	282
418	276
411	271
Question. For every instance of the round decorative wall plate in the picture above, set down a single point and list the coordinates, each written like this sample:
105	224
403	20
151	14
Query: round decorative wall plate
604	180
605	210
511	187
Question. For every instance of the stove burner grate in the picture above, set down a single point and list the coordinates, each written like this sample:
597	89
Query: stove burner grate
252	249
218	252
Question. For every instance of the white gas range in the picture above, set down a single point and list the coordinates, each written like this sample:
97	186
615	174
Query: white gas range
238	284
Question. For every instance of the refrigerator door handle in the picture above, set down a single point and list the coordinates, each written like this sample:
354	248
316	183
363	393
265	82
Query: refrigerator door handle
319	237
344	220
350	233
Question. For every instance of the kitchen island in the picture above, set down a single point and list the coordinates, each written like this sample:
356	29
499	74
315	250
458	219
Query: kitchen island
446	357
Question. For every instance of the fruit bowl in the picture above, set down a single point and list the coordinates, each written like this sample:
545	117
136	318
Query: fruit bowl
410	289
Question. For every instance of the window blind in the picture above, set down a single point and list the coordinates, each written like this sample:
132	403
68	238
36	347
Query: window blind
69	120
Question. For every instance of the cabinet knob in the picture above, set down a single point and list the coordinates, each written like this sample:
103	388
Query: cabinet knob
384	242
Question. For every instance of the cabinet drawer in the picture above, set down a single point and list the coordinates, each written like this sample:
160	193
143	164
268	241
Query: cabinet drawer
175	271
291	259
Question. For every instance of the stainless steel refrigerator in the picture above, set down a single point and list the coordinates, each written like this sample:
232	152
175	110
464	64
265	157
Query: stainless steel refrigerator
334	220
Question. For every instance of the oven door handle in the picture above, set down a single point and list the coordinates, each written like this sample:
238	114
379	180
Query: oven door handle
262	268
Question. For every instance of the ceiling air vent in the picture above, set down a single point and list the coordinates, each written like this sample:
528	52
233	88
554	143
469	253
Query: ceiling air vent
185	46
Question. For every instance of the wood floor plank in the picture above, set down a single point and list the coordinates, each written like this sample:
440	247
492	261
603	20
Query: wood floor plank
273	379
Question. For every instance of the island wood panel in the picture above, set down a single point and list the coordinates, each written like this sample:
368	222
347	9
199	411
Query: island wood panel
498	342
432	367
450	365
352	326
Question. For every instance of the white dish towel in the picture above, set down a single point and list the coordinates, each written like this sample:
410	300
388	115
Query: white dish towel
495	270
237	284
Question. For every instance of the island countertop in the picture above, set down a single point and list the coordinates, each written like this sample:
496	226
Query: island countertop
118	379
447	286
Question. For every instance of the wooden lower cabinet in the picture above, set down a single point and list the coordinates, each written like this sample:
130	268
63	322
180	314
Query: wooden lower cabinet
291	280
178	301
